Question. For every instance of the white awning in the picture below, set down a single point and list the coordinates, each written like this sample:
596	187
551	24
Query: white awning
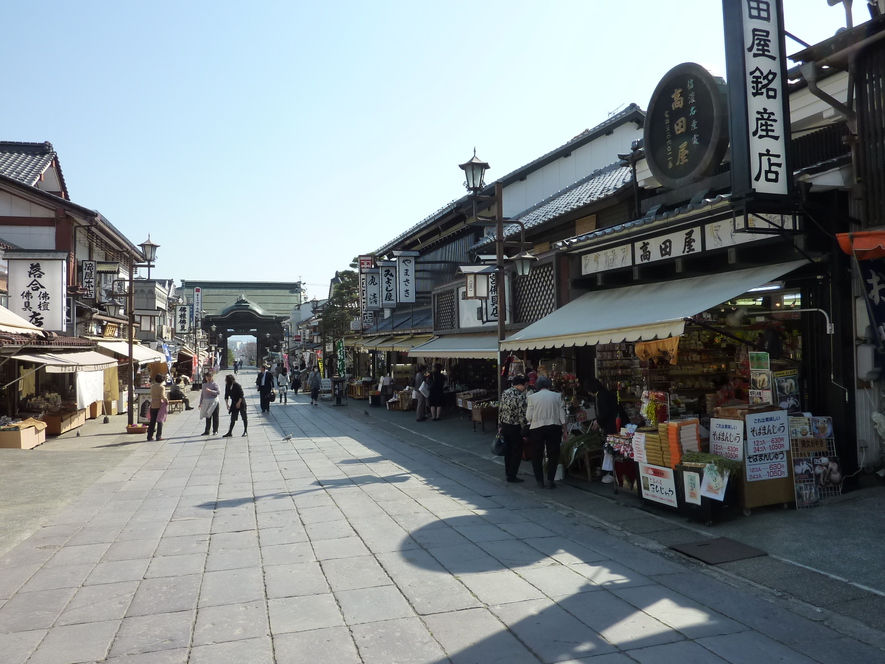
459	346
141	354
12	323
640	313
87	360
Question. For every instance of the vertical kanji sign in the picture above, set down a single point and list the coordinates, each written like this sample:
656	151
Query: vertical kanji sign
198	303
182	319
405	272
759	113
373	290
388	285
37	291
89	274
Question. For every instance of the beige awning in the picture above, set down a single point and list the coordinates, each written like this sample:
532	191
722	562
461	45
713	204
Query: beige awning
141	354
403	343
459	346
372	343
87	360
642	312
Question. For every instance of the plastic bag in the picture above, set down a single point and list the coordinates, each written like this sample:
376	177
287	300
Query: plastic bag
424	389
560	473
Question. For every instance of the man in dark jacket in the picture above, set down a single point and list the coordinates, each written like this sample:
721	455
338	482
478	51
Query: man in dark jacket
235	401
265	383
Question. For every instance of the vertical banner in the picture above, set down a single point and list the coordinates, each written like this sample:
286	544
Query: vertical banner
872	275
388	285
36	290
181	319
373	290
339	350
367	317
198	303
405	272
759	115
88	278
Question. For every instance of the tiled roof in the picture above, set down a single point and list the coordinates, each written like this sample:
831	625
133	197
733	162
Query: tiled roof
25	162
596	186
427	221
401	321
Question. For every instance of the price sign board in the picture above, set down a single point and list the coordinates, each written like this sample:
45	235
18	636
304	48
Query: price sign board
727	438
639	448
768	439
658	484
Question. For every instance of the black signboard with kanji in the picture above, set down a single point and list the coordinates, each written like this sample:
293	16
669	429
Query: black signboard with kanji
686	129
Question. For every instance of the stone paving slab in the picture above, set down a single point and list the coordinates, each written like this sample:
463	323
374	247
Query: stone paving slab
354	543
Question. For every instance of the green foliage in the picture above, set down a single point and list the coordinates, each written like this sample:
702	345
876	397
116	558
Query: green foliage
573	447
342	306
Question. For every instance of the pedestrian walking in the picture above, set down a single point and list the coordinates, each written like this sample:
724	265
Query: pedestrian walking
235	401
511	420
420	397
236	367
209	403
265	384
314	383
548	427
158	399
437	398
283	385
296	380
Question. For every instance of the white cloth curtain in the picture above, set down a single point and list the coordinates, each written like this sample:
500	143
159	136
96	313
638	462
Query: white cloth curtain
90	387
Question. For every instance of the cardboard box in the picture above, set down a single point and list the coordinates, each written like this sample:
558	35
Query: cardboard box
22	439
110	407
94	410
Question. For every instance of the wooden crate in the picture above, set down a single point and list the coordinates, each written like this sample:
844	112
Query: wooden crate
64	422
22	439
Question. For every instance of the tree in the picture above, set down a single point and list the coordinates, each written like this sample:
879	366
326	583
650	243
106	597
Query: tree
342	306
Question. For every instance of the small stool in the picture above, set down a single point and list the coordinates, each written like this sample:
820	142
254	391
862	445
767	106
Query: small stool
176	406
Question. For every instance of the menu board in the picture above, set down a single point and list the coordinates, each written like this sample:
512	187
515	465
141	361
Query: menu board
727	438
768	440
658	484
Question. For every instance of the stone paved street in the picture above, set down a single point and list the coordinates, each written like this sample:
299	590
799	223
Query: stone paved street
348	543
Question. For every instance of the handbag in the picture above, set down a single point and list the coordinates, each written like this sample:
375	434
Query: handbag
526	446
499	445
273	395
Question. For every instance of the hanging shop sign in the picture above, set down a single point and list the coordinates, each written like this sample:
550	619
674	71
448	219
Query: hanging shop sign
198	303
366	263
373	290
406	265
658	484
686	129
388	285
36	290
872	274
490	304
88	278
768	440
182	318
758	104
607	259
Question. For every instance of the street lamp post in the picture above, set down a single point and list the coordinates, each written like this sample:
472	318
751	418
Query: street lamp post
149	251
474	171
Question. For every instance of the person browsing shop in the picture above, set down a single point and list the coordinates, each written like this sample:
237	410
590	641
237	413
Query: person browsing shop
548	427
511	418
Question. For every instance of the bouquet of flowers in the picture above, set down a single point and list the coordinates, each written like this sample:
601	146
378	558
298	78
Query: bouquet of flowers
619	447
565	381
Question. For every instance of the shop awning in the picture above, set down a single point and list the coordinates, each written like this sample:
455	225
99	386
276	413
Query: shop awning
373	343
865	244
14	324
87	360
460	346
141	354
640	313
404	344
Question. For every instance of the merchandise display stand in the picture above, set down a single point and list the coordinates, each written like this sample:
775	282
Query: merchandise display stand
817	471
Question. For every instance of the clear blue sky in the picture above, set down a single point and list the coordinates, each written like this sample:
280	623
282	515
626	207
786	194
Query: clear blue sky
284	138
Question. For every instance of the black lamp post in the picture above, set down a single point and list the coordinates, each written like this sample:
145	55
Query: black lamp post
149	251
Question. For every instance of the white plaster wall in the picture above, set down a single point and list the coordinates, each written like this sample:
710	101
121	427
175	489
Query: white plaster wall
29	237
565	171
50	181
13	206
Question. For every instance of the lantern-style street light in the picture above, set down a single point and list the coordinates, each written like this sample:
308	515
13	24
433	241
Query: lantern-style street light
149	251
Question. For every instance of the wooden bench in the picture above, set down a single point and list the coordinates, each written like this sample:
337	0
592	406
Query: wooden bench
175	406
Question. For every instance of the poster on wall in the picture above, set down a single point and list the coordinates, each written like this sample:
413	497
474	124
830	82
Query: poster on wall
786	385
658	484
767	444
761	392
